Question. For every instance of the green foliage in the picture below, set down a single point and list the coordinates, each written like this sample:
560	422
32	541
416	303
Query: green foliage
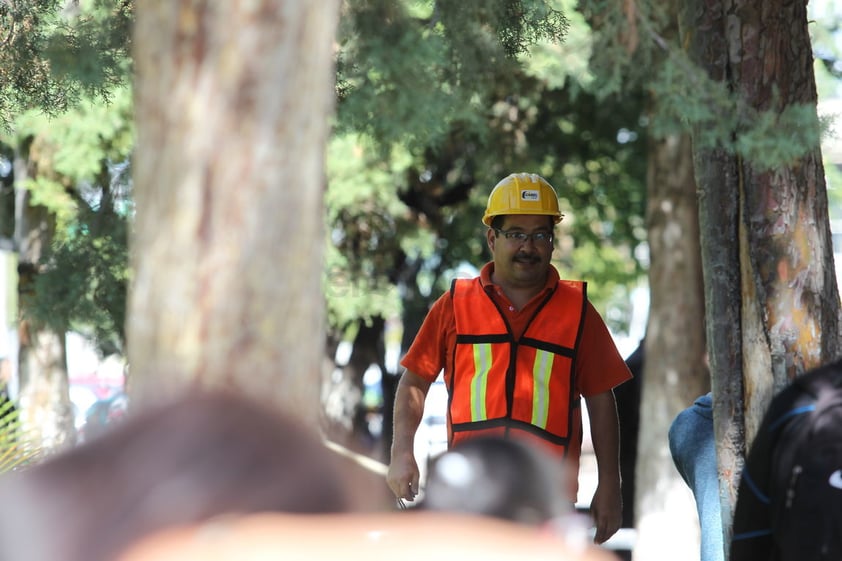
638	49
84	181
52	57
379	43
25	80
65	103
84	286
626	42
515	27
91	47
562	63
780	138
616	272
16	451
366	223
444	57
437	103
688	100
82	138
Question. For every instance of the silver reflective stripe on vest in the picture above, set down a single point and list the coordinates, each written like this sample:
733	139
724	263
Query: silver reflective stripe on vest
541	372
479	382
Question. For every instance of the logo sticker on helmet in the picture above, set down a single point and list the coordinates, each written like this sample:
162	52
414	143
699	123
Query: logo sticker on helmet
530	195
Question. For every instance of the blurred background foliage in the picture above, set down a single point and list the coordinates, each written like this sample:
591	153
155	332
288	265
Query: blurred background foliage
83	179
56	52
436	102
67	132
16	449
433	109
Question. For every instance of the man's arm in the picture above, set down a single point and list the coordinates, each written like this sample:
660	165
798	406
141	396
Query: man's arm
403	473
607	503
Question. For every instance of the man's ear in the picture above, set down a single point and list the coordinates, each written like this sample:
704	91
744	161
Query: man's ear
491	239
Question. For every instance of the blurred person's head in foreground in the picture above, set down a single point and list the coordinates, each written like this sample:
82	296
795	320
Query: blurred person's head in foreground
511	479
186	461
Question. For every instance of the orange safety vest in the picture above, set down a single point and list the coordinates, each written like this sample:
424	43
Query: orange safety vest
500	385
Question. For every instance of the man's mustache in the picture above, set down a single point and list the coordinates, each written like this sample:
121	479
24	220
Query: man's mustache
526	258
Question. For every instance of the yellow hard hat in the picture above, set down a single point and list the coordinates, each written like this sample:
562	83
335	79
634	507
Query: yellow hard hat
522	193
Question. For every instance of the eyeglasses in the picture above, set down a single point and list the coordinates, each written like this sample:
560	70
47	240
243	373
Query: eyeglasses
523	237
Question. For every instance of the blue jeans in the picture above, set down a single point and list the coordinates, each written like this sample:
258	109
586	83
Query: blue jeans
694	453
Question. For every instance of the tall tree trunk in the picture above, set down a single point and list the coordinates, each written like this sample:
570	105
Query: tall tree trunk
43	386
772	302
346	421
233	101
44	398
675	371
787	251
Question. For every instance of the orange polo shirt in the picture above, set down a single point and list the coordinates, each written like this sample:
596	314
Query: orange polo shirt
599	366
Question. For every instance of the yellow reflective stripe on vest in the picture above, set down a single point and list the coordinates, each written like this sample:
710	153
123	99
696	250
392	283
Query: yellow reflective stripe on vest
541	372
479	382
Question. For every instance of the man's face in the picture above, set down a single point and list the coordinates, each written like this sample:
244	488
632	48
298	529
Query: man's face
522	263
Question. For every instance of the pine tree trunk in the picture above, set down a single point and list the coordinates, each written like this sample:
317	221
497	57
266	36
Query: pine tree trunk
787	252
43	386
772	302
675	371
232	101
44	403
346	421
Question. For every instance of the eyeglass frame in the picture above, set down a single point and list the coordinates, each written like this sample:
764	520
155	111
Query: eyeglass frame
522	237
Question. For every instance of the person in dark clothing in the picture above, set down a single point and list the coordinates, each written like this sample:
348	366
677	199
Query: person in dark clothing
628	411
789	501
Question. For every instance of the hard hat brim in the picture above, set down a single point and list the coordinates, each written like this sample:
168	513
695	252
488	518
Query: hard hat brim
487	219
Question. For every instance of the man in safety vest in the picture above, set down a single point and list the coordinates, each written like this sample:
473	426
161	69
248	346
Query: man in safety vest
519	348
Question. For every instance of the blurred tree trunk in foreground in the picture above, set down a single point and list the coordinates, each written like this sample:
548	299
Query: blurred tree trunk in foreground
772	301
232	105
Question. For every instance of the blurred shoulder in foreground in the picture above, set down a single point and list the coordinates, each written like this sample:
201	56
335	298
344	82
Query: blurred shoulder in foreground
181	462
408	536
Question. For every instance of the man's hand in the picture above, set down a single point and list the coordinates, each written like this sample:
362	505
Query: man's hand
403	476
607	511
607	502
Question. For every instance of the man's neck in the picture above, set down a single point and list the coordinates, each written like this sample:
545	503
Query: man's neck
519	296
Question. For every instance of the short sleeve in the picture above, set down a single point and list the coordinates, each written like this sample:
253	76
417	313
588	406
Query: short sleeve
427	355
599	365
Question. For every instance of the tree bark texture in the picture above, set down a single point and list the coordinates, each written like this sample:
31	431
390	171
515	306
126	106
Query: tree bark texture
233	101
44	403
771	296
345	421
675	371
43	387
789	255
702	29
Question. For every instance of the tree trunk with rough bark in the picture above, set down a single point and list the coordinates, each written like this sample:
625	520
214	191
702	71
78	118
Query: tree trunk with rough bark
343	389
233	101
675	371
43	386
772	301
